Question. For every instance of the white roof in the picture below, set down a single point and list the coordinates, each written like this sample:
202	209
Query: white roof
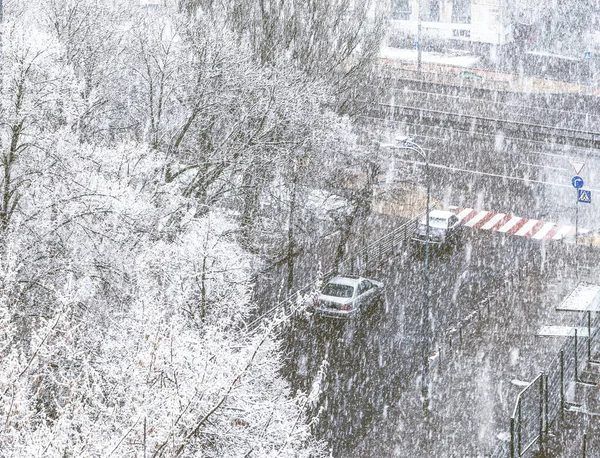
346	281
585	296
563	331
444	214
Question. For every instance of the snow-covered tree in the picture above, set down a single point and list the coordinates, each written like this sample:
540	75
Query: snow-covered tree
143	153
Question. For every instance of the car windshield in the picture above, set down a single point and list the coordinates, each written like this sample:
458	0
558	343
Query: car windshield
336	290
440	223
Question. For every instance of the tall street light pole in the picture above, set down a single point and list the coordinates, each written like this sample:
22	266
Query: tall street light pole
420	4
408	144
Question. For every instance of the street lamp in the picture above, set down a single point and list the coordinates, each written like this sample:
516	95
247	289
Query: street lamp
407	143
419	37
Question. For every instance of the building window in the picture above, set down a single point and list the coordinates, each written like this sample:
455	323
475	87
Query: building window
401	10
431	10
461	11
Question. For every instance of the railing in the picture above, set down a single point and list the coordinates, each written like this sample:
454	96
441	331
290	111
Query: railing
450	75
543	401
453	337
445	77
528	419
362	262
482	107
367	259
387	111
290	304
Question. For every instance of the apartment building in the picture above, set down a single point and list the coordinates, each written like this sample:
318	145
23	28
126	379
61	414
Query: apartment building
487	22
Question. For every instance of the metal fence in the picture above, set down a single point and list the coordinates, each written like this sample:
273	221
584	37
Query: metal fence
452	338
447	78
372	256
544	400
362	262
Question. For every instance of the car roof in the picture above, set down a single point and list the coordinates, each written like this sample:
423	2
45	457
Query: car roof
348	281
445	214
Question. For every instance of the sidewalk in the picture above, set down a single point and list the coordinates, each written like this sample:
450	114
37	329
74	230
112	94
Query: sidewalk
591	240
403	201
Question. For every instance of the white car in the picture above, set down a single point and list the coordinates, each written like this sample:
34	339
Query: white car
444	228
346	297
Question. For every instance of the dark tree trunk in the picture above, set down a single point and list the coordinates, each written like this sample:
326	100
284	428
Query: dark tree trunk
291	243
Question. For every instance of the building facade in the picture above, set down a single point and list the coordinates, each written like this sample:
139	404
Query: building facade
463	21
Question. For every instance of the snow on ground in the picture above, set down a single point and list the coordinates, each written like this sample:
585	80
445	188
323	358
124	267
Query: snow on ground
585	296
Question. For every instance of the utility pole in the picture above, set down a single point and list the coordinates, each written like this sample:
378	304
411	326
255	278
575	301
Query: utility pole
406	143
418	36
577	217
1	87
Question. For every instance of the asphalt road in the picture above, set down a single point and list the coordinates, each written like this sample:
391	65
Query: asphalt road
497	173
373	361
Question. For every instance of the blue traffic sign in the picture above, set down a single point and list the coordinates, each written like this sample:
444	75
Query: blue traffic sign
416	44
584	196
587	55
577	182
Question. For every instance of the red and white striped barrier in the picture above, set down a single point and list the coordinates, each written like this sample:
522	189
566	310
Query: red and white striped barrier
514	225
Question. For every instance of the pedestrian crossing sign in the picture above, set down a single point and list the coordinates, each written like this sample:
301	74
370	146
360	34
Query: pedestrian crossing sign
584	196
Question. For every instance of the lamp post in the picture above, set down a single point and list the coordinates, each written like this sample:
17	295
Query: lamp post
420	4
408	144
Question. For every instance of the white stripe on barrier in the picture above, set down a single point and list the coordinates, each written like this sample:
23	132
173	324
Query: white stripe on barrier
511	222
478	217
539	235
491	223
526	227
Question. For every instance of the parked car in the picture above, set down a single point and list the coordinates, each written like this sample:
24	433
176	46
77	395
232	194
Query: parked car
347	297
444	228
471	76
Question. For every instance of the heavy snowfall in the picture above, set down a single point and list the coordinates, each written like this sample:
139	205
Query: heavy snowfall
299	228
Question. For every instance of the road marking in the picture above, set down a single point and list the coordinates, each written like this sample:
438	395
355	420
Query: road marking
550	235
517	227
483	221
526	230
563	232
470	215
